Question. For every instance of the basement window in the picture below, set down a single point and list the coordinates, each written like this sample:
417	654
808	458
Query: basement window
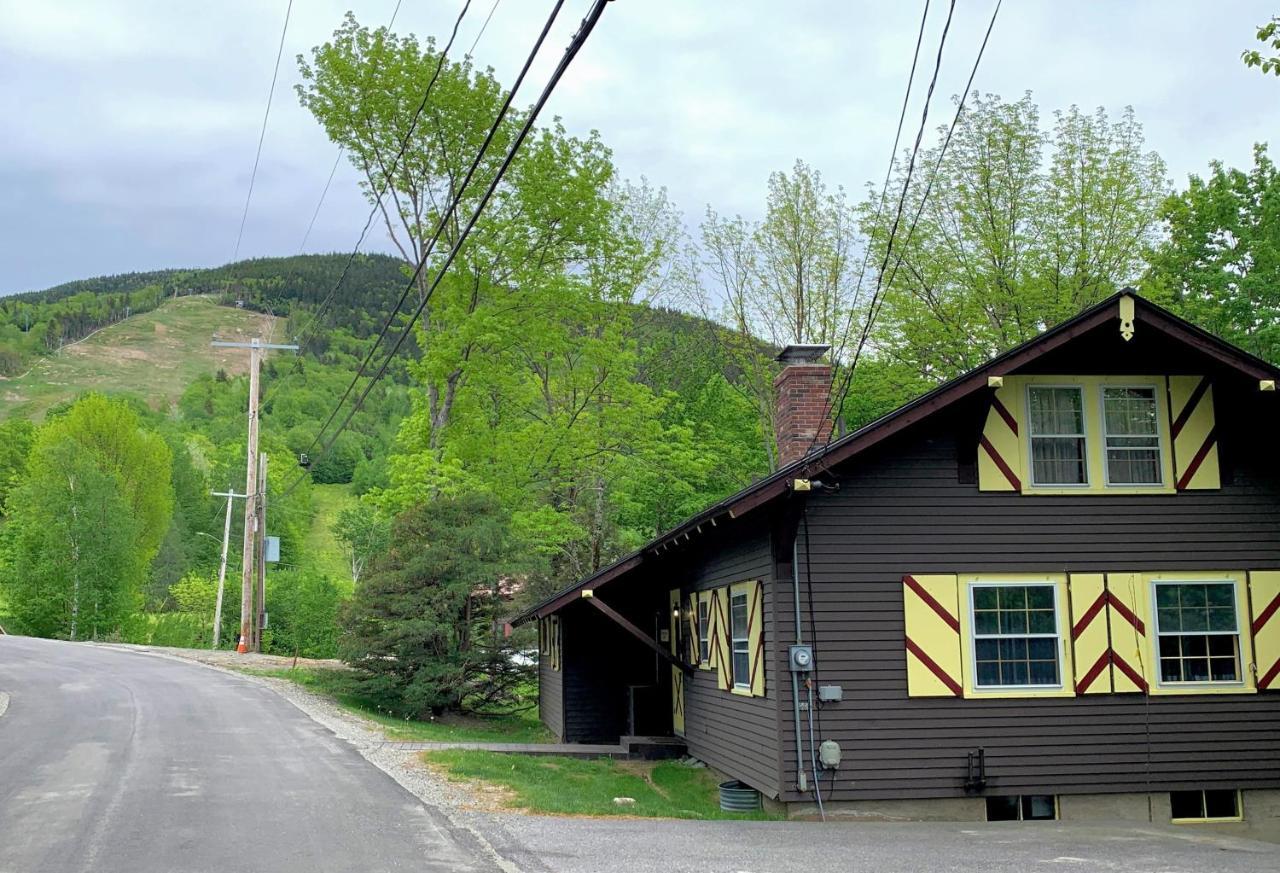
1022	807
1221	804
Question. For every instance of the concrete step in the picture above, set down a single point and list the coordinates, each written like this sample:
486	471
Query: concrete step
654	748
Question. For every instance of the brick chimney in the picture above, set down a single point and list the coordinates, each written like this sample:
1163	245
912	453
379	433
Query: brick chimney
803	391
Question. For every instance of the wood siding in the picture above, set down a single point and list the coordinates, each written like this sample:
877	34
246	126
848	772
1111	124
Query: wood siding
904	510
732	732
551	696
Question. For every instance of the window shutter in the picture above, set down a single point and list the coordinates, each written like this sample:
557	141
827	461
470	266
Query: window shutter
554	644
690	608
1264	600
1195	438
930	607
1090	640
1127	622
999	455
542	636
724	658
755	636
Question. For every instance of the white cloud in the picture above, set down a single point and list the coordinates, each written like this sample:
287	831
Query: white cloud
131	124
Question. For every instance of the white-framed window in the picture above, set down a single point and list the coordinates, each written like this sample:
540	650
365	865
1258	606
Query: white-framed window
1016	643
1131	435
1197	632
704	629
739	643
1057	435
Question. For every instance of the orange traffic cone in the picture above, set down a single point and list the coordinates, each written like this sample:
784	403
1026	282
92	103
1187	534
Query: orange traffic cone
242	648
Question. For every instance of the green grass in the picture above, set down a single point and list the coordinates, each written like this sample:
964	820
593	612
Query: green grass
155	355
572	786
522	727
324	550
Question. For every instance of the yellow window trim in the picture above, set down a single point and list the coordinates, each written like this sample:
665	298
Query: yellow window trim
1095	440
1150	651
1066	672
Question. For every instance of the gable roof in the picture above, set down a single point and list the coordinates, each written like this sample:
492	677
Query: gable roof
776	485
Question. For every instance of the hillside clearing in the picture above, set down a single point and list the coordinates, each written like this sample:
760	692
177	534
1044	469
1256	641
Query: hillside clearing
324	551
155	355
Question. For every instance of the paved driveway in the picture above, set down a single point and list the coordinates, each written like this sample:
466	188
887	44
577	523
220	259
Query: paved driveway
580	845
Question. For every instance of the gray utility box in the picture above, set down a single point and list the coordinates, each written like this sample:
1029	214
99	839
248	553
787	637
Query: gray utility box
801	659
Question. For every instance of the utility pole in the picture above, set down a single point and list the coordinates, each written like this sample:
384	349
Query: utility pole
222	566
256	348
261	613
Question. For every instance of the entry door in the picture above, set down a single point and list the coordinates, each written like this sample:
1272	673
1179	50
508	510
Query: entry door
677	675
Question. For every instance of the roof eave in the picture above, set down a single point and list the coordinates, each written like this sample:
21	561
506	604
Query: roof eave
826	457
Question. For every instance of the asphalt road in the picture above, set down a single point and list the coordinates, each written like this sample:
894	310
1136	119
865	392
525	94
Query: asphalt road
114	761
118	762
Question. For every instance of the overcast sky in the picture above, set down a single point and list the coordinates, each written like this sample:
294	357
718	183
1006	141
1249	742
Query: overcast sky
130	125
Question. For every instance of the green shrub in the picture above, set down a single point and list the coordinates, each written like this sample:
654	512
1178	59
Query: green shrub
302	607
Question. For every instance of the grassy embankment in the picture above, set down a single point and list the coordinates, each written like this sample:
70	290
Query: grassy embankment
522	727
155	355
324	550
571	786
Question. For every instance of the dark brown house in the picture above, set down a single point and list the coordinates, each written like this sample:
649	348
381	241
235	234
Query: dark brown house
1048	588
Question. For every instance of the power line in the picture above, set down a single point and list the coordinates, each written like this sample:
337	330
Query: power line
429	248
275	73
483	27
342	150
388	173
306	236
902	197
884	188
877	298
571	51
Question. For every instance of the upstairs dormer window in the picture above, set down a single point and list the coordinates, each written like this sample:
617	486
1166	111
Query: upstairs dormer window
1057	429
1131	428
1099	434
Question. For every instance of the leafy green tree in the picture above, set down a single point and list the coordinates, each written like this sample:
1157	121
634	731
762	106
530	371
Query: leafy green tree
420	630
1219	263
364	87
111	434
16	437
76	563
792	277
1023	228
1269	35
303	606
365	534
337	465
196	593
878	387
